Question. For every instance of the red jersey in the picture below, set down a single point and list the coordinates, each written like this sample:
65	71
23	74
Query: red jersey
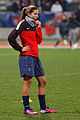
29	36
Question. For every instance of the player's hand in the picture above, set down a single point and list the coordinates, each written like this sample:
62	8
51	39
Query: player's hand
38	23
27	48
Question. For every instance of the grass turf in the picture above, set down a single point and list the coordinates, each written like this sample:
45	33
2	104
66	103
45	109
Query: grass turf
62	69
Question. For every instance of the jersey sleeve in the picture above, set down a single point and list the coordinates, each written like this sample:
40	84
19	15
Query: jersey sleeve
39	35
14	34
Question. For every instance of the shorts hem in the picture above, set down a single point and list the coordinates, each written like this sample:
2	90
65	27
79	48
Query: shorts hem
39	75
32	75
27	75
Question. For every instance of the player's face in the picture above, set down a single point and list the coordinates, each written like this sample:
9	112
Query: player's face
64	17
34	14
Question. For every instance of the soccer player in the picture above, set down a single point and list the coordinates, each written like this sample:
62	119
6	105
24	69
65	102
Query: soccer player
73	30
29	31
64	31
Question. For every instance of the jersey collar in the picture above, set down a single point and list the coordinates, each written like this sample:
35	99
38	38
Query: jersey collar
30	21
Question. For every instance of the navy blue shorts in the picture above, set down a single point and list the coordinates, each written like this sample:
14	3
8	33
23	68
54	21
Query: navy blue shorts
30	66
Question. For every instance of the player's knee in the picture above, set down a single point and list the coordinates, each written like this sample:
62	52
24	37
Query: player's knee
28	83
43	83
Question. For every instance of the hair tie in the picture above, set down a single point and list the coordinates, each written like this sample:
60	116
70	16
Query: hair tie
25	8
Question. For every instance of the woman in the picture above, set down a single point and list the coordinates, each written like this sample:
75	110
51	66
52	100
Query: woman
29	31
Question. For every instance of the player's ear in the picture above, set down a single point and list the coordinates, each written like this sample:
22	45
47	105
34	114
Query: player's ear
29	14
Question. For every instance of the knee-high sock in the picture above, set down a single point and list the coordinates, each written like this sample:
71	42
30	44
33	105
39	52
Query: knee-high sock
57	43
42	101
26	102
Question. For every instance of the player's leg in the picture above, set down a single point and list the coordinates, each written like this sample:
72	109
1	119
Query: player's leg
70	40
25	91
74	36
41	95
41	85
41	91
40	76
60	39
25	95
27	71
74	39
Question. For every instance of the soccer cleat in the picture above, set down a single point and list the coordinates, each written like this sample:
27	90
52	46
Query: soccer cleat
30	111
74	46
47	110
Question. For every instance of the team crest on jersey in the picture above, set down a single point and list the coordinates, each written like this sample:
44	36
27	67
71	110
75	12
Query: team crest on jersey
27	28
29	69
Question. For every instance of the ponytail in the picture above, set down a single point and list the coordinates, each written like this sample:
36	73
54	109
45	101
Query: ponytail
23	13
27	10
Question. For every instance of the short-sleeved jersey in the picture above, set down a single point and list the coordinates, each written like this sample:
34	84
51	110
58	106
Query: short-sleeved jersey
29	36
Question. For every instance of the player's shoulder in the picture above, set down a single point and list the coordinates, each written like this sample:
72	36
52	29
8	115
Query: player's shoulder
21	24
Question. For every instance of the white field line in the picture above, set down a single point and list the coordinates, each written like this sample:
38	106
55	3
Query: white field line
66	74
58	75
42	47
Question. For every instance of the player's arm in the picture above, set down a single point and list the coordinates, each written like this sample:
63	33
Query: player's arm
14	34
39	32
12	40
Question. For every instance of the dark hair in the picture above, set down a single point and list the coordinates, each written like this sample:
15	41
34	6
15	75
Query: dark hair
27	10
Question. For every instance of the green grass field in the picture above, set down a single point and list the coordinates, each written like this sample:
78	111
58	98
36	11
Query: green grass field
62	69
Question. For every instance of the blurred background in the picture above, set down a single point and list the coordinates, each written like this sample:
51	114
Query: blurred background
51	12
